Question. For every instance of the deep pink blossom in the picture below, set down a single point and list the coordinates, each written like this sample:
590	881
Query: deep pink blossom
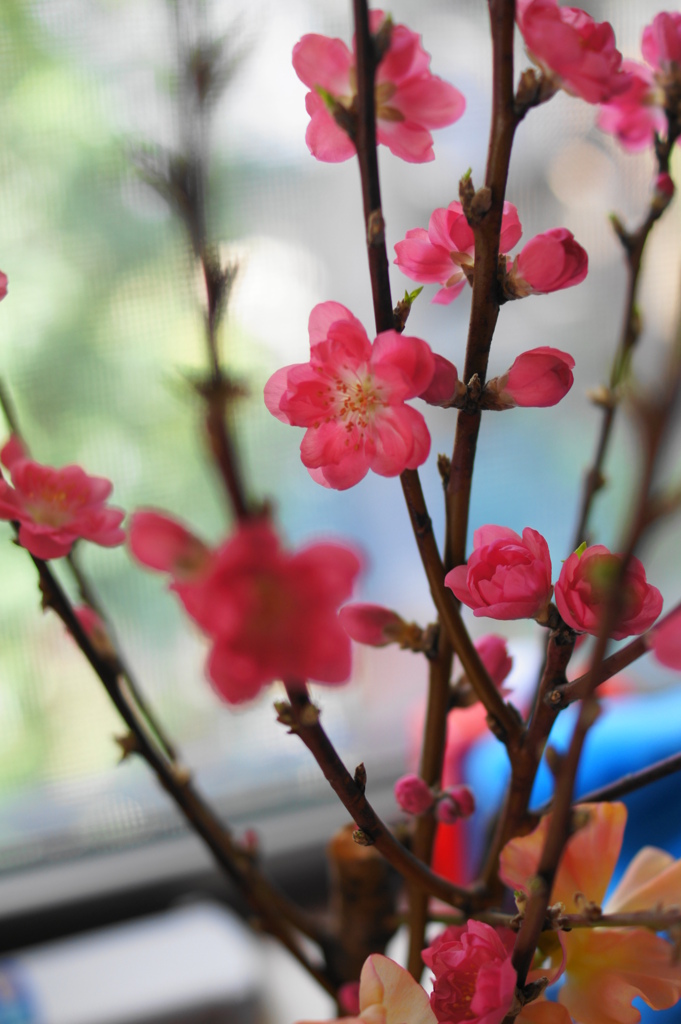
583	587
372	624
547	263
445	385
413	794
507	576
455	802
56	507
493	651
410	101
445	253
664	186
474	977
351	396
270	615
573	49
537	379
636	113
665	641
3	285
661	43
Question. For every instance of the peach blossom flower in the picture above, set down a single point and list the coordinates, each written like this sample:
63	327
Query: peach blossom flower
537	379
606	968
410	101
350	397
582	589
548	263
389	995
507	576
56	507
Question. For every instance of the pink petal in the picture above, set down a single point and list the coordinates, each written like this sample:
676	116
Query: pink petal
325	139
411	356
318	60
275	389
429	102
422	261
324	315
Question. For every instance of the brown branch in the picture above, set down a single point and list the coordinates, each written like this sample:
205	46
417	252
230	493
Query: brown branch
626	784
302	717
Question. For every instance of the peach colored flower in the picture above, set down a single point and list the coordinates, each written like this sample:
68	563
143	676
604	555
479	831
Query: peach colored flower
606	968
389	995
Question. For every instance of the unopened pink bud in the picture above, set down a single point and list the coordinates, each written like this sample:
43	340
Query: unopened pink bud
456	802
443	387
95	630
537	379
3	285
664	186
495	657
413	794
348	998
371	624
548	263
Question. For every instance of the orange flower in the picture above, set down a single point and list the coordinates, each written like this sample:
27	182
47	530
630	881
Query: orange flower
605	968
389	995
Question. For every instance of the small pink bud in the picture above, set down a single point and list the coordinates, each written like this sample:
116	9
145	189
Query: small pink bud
495	657
371	624
348	998
456	802
664	185
444	385
3	285
413	794
548	263
537	379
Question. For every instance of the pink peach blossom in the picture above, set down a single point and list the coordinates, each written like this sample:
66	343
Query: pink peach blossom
571	48
547	263
444	387
605	968
661	43
445	254
350	397
413	794
474	978
493	651
636	113
56	507
454	803
507	576
537	379
665	641
3	285
270	614
168	546
410	101
371	624
583	586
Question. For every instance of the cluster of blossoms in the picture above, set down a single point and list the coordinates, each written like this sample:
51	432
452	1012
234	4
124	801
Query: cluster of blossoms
445	255
269	614
509	577
416	797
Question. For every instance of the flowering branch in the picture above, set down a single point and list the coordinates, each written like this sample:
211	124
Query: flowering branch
627	783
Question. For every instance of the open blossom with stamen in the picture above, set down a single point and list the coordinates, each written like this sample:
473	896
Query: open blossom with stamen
350	397
56	507
578	53
410	101
445	253
605	968
270	614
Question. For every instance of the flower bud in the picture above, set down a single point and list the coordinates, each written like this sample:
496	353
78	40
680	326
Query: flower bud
456	802
444	386
348	998
371	624
666	641
495	657
548	263
537	379
413	794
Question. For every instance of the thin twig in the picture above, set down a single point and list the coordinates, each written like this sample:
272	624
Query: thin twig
626	784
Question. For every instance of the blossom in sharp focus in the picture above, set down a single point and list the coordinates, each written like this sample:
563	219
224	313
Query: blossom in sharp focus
389	995
665	641
537	379
573	50
547	263
269	614
410	101
605	968
507	576
583	588
56	507
474	978
445	253
350	397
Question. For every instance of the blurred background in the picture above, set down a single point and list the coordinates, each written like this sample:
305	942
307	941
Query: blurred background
101	329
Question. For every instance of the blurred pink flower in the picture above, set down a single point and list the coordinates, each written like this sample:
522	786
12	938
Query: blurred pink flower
494	655
637	112
351	396
538	378
371	624
413	794
661	43
56	507
665	641
605	968
583	586
547	263
573	49
474	978
3	285
410	101
507	576
271	615
454	803
446	252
